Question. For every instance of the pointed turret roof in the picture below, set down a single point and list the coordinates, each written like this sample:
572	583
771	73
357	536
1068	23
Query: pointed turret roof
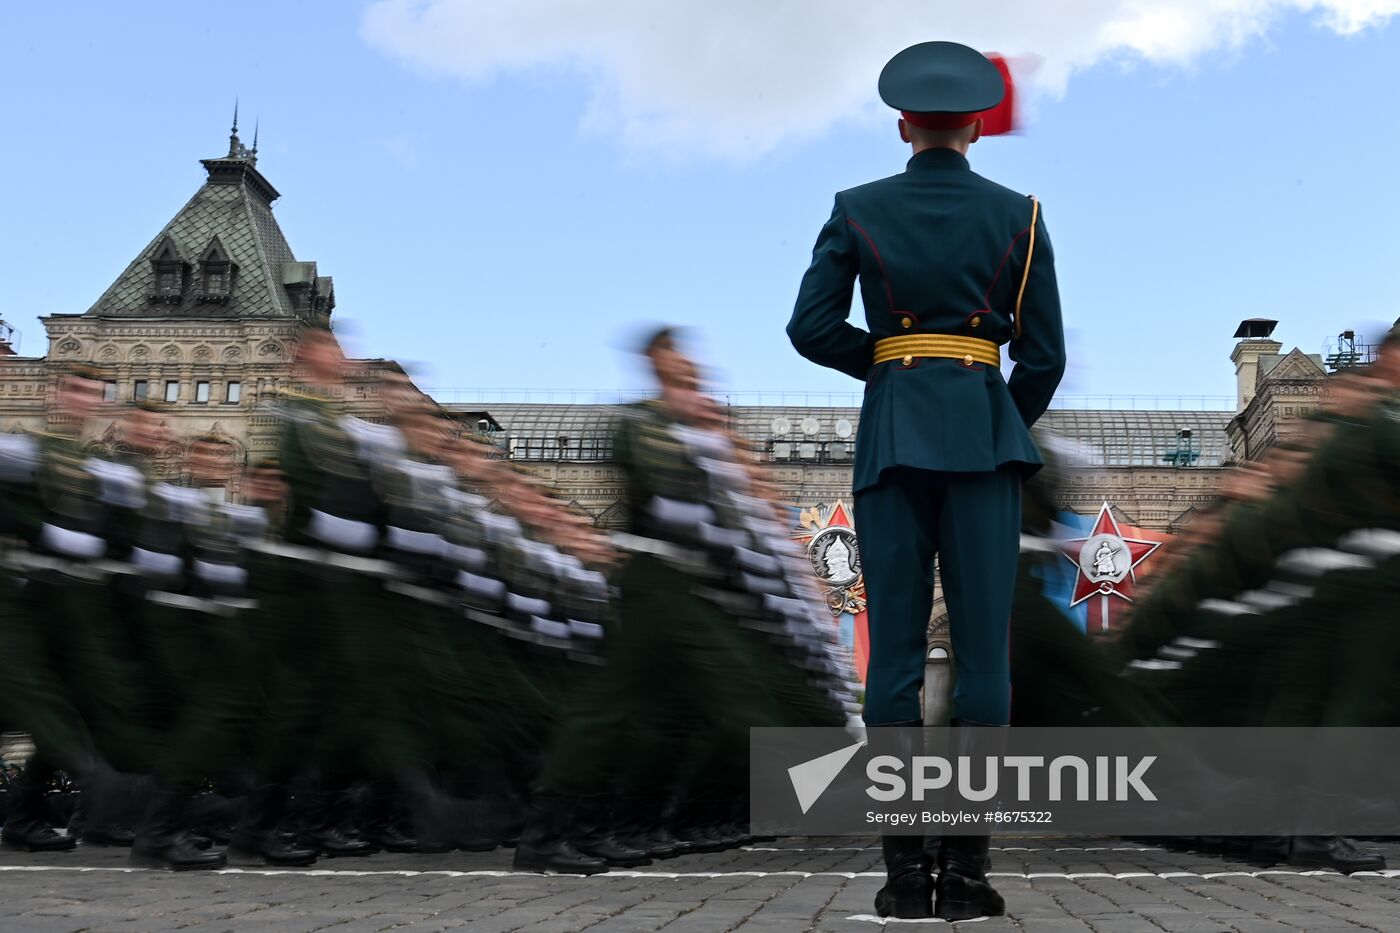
233	209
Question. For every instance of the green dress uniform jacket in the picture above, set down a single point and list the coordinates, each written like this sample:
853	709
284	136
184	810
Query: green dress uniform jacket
938	250
944	441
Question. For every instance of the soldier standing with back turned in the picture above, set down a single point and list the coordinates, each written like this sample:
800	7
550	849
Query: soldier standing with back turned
951	266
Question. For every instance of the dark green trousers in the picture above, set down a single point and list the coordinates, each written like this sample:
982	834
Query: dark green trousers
672	707
35	695
972	523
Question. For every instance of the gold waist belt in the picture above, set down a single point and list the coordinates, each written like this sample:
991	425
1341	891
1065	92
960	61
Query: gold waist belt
910	347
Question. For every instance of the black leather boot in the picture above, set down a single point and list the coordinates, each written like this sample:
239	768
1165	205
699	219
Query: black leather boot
385	819
82	826
593	834
1335	852
214	816
27	824
258	836
642	828
962	891
320	818
724	826
908	890
161	839
544	843
691	827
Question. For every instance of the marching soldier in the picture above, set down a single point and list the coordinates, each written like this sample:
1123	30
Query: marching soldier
680	687
61	662
952	267
322	593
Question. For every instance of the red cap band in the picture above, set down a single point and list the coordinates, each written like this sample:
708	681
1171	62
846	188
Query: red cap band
999	120
940	121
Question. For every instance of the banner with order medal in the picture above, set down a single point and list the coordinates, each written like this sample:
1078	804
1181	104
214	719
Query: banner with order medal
827	534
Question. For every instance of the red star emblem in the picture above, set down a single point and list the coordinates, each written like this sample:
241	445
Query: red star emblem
1106	560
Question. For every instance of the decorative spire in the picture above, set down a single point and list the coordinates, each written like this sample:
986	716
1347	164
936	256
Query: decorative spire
234	146
236	149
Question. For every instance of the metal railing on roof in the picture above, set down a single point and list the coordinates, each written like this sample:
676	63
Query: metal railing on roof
798	399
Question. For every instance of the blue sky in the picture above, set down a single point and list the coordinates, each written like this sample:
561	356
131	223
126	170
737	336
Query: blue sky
508	229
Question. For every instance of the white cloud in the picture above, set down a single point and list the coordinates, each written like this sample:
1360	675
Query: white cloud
736	78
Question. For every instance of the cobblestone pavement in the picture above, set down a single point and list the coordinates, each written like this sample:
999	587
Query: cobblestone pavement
1051	886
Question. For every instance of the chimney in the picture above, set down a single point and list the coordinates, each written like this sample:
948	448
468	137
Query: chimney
1254	344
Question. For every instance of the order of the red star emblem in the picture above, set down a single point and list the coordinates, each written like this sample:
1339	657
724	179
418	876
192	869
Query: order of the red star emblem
1106	560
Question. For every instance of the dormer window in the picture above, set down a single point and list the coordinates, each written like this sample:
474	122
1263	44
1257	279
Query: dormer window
215	274
169	269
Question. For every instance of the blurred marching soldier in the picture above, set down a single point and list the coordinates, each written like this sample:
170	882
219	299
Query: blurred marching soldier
656	743
1339	477
1263	628
432	721
51	502
536	605
255	678
178	632
320	589
951	267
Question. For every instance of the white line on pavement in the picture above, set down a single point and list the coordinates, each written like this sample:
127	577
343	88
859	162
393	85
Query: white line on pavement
489	873
994	849
871	918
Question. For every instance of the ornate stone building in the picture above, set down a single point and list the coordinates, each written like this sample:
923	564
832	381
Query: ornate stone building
1156	467
1274	391
203	321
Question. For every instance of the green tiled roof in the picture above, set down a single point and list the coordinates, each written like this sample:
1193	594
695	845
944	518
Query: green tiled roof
240	215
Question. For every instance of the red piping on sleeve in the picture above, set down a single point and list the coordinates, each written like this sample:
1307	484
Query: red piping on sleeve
987	297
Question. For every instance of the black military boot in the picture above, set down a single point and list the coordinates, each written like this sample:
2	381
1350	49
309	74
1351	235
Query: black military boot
593	834
258	836
908	890
321	829
648	828
93	833
384	818
214	816
962	891
639	827
161	839
1335	852
692	827
27	824
544	844
441	822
